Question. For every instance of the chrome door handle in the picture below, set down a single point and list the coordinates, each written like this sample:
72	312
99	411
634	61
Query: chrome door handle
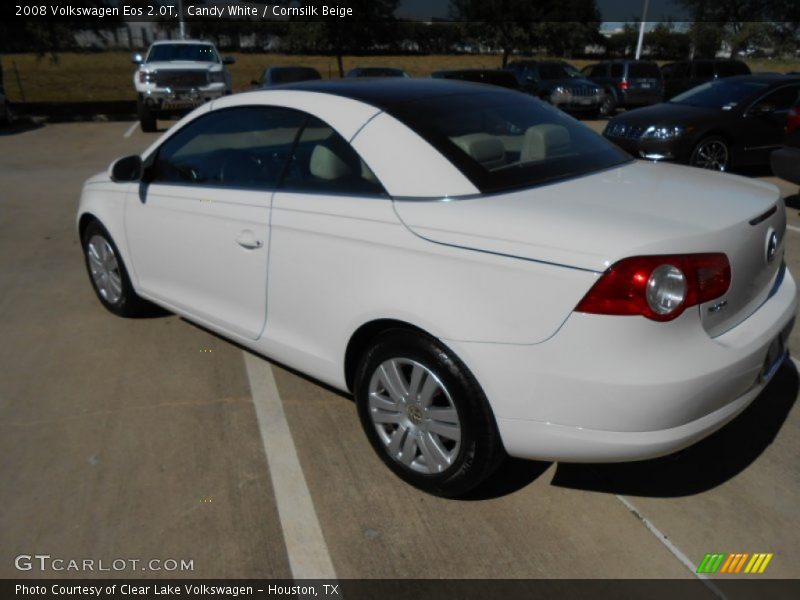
247	239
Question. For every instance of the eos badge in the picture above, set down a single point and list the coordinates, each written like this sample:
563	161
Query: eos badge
772	246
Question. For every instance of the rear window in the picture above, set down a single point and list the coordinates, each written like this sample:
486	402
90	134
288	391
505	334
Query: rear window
643	71
504	140
729	69
294	75
616	70
704	70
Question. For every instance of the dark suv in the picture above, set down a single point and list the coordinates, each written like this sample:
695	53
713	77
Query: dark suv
558	83
686	74
626	83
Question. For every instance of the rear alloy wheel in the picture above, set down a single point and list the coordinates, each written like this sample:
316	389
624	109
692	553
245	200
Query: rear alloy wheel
425	415
108	274
711	153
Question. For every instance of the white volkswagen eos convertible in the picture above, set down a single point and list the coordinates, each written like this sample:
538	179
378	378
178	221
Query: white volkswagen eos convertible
486	275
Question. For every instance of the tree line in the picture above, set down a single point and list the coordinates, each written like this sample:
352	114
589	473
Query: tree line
564	28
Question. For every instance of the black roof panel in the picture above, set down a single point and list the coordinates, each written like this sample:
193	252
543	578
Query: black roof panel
388	92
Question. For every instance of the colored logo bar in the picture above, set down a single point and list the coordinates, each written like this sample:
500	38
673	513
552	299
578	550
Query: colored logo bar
738	562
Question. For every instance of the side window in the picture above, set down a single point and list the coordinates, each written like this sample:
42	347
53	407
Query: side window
616	71
781	99
324	162
243	147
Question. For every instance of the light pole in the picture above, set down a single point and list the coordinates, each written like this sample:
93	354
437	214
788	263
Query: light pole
641	30
182	23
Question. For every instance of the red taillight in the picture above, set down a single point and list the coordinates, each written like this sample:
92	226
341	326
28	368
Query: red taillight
623	288
623	85
793	119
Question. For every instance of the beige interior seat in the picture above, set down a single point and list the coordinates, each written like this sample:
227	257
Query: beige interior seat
326	164
545	141
484	148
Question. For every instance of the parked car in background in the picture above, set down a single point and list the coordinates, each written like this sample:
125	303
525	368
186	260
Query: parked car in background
686	74
175	77
626	83
486	275
785	161
488	76
376	72
720	124
286	74
558	83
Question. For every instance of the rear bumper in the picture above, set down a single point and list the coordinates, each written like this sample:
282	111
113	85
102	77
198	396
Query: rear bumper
610	389
786	164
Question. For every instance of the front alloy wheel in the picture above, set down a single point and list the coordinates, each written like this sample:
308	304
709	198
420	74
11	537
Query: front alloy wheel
108	274
104	269
425	414
711	153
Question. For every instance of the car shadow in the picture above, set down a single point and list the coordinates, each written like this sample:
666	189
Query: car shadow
513	475
703	466
792	201
20	125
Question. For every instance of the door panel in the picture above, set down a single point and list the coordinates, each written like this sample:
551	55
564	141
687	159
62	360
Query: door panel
198	232
185	246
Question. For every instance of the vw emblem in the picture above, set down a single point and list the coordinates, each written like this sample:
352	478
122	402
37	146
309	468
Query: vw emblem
772	246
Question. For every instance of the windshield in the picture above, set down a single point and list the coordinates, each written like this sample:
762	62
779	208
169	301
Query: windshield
379	72
558	71
504	140
293	74
188	52
721	94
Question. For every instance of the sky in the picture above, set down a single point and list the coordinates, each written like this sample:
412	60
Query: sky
612	11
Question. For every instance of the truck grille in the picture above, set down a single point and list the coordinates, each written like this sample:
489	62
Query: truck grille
584	91
182	79
628	132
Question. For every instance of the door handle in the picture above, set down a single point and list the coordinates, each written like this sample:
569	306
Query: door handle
247	239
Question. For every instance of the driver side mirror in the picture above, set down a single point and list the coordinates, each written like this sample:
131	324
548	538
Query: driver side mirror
228	60
137	59
127	169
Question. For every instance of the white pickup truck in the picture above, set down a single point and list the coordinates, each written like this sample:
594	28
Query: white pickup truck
176	76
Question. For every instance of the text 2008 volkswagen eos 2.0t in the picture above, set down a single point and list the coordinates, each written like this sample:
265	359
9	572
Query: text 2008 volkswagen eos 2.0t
486	275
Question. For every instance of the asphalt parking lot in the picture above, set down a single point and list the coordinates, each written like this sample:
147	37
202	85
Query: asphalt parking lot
141	439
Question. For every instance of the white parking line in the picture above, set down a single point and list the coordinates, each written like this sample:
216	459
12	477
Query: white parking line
305	545
131	129
793	228
676	552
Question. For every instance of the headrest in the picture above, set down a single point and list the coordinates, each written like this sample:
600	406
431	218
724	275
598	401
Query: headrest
325	164
545	141
484	148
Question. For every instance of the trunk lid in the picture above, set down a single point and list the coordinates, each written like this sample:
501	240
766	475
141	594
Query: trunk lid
641	208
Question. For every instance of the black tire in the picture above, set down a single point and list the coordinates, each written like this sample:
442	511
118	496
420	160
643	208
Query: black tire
147	119
128	304
479	451
711	153
609	106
